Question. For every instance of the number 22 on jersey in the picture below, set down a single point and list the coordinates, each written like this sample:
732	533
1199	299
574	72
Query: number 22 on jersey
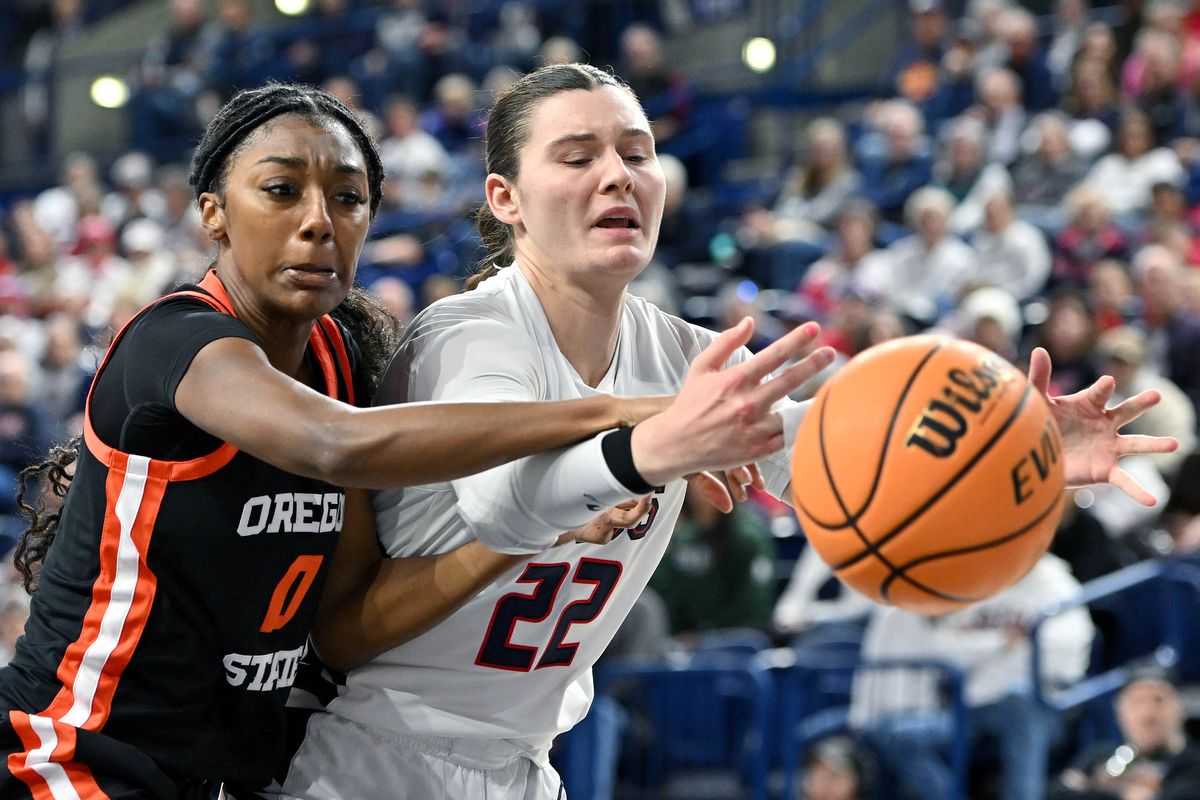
498	650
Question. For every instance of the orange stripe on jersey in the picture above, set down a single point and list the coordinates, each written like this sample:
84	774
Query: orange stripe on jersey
122	596
46	766
334	337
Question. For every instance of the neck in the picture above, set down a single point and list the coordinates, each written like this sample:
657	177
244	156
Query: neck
585	322
282	339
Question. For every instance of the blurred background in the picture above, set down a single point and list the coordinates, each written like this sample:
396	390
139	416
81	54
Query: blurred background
1019	174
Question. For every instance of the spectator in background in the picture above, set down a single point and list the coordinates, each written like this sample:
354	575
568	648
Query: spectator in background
1155	759
894	160
664	92
816	603
455	119
57	210
830	278
914	71
1158	92
1069	335
1012	253
408	151
1092	101
837	768
999	106
65	377
963	170
171	77
24	428
897	711
41	54
1173	345
689	221
718	570
101	272
1180	518
990	316
1047	171
1126	175
240	50
559	50
1111	294
1027	60
814	190
922	275
134	194
1122	353
1089	238
1070	26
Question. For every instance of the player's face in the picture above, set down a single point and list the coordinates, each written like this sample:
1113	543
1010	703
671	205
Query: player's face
589	196
293	220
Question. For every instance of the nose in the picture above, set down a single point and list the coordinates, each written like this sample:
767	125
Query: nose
316	226
616	175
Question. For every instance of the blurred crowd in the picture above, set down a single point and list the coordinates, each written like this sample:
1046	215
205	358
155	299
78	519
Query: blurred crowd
1019	181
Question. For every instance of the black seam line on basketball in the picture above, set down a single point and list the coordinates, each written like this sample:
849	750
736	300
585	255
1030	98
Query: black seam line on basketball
975	548
852	519
1012	417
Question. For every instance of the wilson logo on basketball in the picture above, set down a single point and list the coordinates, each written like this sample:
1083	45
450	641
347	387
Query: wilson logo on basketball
970	395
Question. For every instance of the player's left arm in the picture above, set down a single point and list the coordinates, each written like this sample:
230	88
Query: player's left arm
1092	441
372	603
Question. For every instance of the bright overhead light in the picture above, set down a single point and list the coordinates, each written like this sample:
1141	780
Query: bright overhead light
109	92
292	8
759	54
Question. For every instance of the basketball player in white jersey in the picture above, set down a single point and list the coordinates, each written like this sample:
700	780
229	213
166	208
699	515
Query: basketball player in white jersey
468	709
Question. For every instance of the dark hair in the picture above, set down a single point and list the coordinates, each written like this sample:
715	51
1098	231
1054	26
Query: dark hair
507	132
247	111
374	329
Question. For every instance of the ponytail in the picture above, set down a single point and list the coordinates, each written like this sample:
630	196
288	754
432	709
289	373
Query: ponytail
498	247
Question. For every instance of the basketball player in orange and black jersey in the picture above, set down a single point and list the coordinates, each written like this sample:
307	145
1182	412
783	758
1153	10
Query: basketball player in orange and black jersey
180	554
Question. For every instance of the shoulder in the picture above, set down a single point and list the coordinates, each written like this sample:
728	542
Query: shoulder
661	328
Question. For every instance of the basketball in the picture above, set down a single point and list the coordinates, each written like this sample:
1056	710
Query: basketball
928	473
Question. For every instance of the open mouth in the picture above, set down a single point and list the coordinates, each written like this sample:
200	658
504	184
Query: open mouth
618	222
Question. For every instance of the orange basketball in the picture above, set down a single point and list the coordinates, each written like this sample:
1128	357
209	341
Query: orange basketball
928	473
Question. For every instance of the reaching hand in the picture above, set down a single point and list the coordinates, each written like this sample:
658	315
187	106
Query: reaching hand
727	488
722	417
1090	430
601	529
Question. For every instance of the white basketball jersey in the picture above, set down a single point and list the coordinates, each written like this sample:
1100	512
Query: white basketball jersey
515	661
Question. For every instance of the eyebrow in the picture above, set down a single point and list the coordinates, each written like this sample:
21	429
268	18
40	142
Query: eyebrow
297	163
591	137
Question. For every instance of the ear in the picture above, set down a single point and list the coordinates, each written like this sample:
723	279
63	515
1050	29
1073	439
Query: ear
212	215
502	199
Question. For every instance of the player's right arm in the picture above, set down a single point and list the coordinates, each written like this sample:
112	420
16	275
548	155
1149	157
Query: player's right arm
232	391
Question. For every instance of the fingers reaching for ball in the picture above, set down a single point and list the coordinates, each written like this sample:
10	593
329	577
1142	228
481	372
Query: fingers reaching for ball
722	416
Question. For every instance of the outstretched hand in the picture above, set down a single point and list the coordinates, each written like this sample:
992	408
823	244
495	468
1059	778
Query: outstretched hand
1092	442
722	416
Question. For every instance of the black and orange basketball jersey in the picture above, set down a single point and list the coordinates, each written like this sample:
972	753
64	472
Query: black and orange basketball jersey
163	640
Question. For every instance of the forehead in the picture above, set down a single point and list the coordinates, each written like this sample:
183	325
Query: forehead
292	135
604	112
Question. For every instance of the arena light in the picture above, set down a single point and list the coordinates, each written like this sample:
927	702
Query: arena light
109	92
759	54
292	8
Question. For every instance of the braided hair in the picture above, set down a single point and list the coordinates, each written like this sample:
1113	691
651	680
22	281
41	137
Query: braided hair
376	332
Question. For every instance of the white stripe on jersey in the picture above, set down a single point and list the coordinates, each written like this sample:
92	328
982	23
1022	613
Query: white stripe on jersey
123	590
